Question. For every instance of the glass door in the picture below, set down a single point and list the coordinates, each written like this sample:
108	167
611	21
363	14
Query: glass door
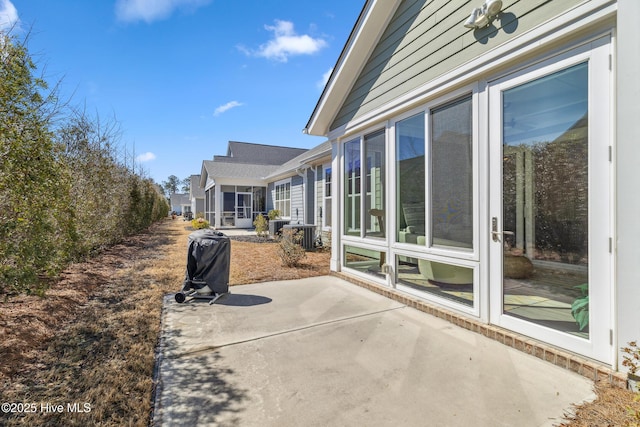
244	210
550	226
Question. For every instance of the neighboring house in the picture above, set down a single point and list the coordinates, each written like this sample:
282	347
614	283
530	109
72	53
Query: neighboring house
297	189
196	194
180	203
235	188
492	172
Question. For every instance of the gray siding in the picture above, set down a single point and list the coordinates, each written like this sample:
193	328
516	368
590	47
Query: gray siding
426	38
310	198
297	204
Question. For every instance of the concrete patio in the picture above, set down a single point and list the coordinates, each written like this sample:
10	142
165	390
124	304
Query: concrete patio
322	351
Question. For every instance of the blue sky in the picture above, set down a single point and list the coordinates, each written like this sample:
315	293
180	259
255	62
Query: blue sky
183	77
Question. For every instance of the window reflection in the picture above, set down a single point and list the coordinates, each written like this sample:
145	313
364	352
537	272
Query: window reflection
375	179
410	178
364	260
545	199
352	187
452	282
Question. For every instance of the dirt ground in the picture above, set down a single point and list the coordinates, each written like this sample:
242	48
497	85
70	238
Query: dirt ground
84	354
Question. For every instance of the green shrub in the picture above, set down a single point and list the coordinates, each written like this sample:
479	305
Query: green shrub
36	226
65	191
290	249
200	223
273	214
261	225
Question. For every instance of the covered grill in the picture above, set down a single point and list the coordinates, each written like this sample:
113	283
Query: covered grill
208	263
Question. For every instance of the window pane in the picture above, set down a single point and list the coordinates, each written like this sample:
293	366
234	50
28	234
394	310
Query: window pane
282	202
364	260
229	200
452	282
374	145
327	212
352	187
451	175
327	182
410	176
545	177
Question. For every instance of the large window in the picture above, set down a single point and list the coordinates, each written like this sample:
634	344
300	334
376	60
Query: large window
283	199
434	193
450	180
371	185
352	187
410	178
452	175
374	183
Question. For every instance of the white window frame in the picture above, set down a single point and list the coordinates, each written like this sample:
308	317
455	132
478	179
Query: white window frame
448	255
277	203
364	176
430	249
327	185
597	346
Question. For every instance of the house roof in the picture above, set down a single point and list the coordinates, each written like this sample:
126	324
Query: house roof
195	189
245	160
366	33
179	199
258	154
319	152
216	170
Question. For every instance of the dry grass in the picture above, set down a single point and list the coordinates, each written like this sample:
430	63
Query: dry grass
92	338
613	407
258	262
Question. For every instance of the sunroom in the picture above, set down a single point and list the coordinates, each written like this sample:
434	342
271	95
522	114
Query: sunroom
477	168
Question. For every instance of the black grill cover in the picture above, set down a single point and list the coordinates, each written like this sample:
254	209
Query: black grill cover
208	261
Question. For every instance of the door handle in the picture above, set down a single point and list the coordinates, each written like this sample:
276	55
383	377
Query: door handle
495	234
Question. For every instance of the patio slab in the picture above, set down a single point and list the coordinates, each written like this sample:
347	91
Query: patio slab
322	351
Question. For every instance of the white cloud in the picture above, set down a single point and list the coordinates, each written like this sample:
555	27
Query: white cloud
8	15
286	43
325	78
152	10
229	105
146	157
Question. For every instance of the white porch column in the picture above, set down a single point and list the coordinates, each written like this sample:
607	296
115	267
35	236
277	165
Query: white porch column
336	204
218	207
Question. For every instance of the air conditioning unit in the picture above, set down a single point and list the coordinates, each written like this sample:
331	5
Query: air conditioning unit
275	225
308	237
